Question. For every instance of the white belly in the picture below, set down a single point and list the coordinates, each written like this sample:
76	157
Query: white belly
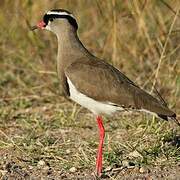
94	106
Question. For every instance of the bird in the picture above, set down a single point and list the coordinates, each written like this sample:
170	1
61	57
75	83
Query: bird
93	83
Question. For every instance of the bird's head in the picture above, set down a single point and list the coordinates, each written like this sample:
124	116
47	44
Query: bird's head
57	21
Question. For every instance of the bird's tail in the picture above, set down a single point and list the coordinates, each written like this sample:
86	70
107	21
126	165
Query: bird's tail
157	106
164	103
177	121
173	117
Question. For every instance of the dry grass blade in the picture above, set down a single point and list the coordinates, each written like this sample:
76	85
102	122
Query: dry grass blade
162	56
160	97
168	6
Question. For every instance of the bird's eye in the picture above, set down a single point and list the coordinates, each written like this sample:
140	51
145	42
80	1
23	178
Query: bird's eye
51	19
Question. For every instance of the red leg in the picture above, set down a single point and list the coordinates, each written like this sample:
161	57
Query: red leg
99	154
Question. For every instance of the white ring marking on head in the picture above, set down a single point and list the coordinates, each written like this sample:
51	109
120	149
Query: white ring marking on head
60	13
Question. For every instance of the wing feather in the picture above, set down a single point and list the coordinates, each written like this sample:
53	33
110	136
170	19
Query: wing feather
104	83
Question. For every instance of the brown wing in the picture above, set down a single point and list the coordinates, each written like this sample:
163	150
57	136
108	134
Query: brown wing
103	82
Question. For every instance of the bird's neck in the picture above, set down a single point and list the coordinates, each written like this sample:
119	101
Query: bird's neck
70	48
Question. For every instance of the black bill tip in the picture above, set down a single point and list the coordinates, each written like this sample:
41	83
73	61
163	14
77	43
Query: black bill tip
32	28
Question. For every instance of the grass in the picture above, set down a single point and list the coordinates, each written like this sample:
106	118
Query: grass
38	124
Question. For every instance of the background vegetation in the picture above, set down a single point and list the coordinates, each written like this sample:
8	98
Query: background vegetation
42	135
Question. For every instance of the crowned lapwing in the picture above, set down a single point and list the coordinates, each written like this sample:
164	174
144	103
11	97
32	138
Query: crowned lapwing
93	83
